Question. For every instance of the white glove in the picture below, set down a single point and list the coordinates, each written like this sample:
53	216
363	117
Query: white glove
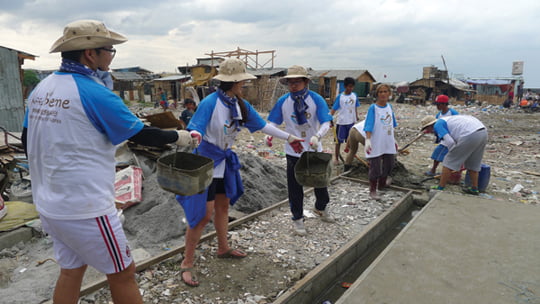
196	139
367	146
296	143
184	138
314	142
268	140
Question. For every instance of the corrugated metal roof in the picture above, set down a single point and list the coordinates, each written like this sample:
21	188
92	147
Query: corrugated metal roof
172	78
126	76
270	71
339	74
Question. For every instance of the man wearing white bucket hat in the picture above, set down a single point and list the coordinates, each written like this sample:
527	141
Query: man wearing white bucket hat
72	124
466	138
218	119
307	116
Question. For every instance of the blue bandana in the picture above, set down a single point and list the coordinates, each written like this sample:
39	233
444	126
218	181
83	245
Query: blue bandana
71	66
300	105
231	103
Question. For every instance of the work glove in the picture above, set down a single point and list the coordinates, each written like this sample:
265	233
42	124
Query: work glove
184	138
268	140
196	139
367	146
296	143
314	142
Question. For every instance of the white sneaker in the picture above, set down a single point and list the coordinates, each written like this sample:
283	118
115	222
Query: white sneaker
299	228
324	215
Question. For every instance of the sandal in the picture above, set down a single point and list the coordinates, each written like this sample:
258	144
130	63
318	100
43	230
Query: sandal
429	173
232	254
193	282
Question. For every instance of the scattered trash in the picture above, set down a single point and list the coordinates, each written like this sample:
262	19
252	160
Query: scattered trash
517	188
346	284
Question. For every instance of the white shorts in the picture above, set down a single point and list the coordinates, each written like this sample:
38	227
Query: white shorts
99	242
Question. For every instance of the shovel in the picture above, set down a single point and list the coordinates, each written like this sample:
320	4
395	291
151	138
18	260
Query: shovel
412	141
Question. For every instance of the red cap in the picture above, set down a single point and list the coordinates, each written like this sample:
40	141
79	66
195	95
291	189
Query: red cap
441	99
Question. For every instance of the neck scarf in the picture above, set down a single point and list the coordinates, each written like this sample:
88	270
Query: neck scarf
231	103
300	105
71	66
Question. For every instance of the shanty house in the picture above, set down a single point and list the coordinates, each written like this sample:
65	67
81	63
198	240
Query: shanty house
11	91
133	83
329	83
435	82
201	76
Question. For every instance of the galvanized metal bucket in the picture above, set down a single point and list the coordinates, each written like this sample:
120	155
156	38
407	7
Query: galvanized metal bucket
185	173
313	169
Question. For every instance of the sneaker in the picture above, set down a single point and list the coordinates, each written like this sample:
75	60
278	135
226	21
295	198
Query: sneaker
324	215
429	173
299	228
470	190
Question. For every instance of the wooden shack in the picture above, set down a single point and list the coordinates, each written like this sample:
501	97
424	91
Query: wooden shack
11	89
329	83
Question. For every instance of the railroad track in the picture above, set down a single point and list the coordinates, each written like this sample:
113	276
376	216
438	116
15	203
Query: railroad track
321	278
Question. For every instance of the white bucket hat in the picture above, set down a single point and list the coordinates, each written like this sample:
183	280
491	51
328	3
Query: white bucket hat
295	71
86	34
233	70
428	121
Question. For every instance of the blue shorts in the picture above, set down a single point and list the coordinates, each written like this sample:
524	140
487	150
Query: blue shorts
439	153
342	132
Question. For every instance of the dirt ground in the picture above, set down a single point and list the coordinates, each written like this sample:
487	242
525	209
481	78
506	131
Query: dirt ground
157	224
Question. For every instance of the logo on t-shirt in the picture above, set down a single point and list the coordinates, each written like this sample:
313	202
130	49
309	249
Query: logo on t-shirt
386	120
293	117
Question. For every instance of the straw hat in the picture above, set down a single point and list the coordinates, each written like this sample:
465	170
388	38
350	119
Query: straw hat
428	121
295	71
233	70
86	34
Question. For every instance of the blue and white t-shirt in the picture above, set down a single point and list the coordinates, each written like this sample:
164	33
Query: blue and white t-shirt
457	126
380	121
345	106
317	113
450	112
213	119
73	126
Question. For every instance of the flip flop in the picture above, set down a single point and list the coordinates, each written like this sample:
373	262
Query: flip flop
194	281
230	255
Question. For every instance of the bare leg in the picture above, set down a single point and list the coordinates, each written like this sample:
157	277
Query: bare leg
124	288
434	168
336	153
474	179
221	223
192	237
445	176
68	285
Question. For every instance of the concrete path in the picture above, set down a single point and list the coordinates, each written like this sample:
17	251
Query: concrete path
458	249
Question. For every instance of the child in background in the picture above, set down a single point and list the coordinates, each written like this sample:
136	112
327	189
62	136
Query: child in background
345	105
440	151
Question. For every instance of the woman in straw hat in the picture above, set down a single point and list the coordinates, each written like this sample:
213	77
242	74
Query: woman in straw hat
218	120
72	125
466	138
380	146
307	116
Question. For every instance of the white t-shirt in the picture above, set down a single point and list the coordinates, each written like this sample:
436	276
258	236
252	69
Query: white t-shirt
317	113
345	106
380	121
360	127
73	124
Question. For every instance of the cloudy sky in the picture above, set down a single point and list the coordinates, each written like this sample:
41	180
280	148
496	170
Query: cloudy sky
396	38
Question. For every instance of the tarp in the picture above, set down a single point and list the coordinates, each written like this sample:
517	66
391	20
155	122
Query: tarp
487	81
19	213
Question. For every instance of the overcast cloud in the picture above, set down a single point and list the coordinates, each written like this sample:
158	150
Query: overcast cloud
395	38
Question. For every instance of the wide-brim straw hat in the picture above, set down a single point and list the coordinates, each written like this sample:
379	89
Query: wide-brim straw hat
427	121
86	34
295	71
233	70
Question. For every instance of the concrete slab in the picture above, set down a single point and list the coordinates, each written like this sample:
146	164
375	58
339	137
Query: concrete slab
458	249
